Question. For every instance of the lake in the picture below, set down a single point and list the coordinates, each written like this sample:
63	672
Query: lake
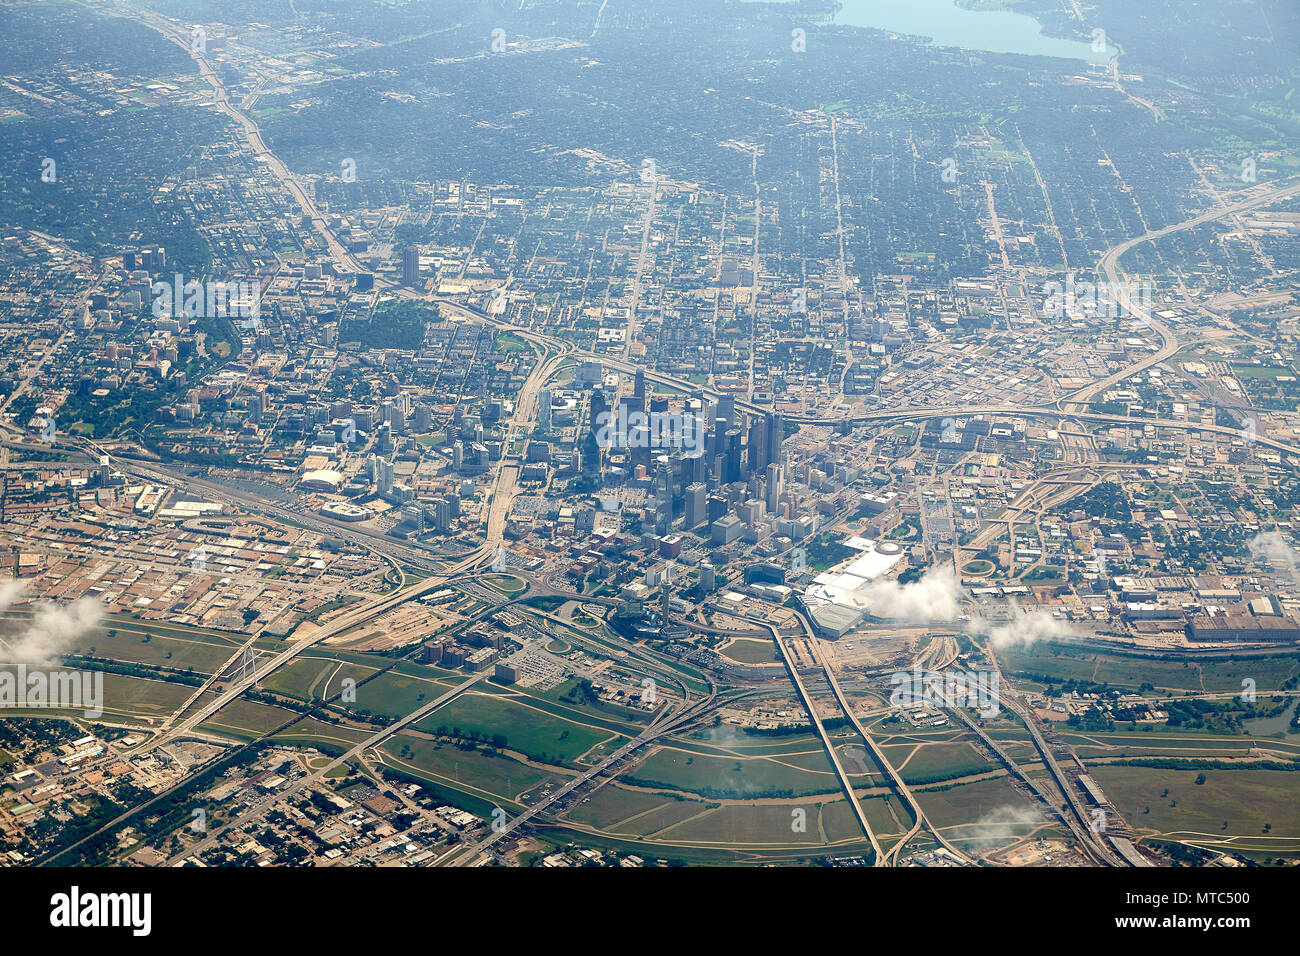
945	23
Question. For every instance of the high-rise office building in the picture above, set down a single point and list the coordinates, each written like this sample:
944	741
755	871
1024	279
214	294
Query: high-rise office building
727	409
696	495
756	459
413	515
732	447
441	514
664	488
599	411
775	485
384	475
411	265
775	435
423	418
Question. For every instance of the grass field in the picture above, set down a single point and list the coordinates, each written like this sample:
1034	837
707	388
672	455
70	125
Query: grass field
1161	742
167	645
246	719
931	761
527	728
134	696
669	813
498	777
751	825
1171	802
313	678
611	805
734	777
328	737
1207	675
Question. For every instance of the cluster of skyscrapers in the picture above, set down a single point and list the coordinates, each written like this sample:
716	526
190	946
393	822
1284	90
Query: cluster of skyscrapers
703	458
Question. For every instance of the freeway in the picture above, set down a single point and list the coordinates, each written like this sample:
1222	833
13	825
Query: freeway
355	616
552	354
265	803
503	492
1170	345
664	724
1109	265
1067	404
501	497
918	815
251	131
1169	342
884	416
1092	842
1081	835
1052	489
879	856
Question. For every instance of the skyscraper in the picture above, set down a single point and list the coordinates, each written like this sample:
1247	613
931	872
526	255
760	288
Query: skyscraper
385	475
599	411
696	495
731	453
664	488
757	457
411	265
775	435
727	409
775	485
441	514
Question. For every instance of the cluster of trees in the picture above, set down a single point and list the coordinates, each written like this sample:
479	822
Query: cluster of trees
469	740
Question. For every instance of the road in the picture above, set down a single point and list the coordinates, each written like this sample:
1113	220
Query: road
918	815
262	805
1091	841
1169	342
664	724
1051	799
551	356
845	783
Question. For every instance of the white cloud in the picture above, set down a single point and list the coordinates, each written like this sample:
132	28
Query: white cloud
52	629
1001	825
1274	548
1023	629
935	596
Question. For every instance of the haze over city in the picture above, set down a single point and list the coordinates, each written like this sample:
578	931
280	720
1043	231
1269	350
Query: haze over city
629	434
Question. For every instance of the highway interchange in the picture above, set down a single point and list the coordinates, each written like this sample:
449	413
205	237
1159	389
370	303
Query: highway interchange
552	356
